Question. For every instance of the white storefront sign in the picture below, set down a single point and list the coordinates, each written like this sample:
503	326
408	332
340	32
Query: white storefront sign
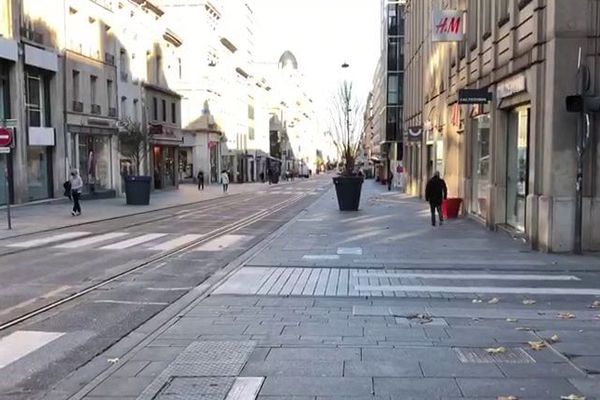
513	85
447	26
41	136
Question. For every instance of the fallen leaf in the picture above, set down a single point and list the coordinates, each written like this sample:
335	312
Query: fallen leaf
537	345
495	300
597	316
496	350
508	398
572	397
477	301
529	302
595	304
555	338
113	360
566	315
511	320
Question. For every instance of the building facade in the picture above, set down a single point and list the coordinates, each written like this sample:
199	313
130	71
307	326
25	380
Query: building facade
512	160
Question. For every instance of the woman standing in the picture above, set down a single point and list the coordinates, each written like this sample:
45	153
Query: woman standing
225	180
76	186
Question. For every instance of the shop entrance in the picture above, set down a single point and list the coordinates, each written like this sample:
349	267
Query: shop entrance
517	162
164	167
480	165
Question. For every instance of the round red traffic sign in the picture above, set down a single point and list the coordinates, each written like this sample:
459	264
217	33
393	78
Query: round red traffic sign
6	136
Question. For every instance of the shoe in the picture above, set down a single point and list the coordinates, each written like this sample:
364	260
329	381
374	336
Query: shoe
79	213
73	213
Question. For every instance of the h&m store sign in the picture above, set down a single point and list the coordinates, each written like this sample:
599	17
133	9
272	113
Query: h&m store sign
447	26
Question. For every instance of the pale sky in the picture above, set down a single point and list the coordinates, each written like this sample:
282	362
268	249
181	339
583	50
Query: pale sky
322	34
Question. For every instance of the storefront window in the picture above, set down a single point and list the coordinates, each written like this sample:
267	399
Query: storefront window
480	173
38	173
95	162
517	167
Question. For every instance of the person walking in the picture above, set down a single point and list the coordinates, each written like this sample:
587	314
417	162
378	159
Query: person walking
76	186
436	192
225	181
200	180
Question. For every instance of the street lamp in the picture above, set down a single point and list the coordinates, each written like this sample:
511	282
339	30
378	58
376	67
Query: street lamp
345	65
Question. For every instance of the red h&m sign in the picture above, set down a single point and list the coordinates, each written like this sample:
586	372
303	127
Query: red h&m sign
447	26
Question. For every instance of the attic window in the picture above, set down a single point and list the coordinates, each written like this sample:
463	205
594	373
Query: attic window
73	11
92	20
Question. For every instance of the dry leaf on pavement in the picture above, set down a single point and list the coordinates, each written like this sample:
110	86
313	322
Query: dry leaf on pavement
496	350
477	301
572	397
523	328
566	315
555	338
537	345
508	398
595	304
113	360
495	300
529	302
512	320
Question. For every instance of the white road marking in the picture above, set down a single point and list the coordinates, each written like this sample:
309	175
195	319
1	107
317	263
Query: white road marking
31	301
48	239
499	277
93	240
481	289
137	303
310	219
221	243
321	257
177	242
134	242
245	388
356	251
174	289
19	344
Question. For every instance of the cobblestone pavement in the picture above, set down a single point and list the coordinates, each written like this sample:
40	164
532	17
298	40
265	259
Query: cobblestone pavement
374	305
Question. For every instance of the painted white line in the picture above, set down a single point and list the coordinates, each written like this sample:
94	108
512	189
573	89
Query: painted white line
137	303
134	242
93	240
499	277
49	239
245	388
177	242
221	243
481	289
31	301
19	344
355	251
321	257
174	289
310	220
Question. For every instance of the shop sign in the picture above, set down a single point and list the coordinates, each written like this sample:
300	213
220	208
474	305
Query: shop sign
514	85
474	96
447	26
415	133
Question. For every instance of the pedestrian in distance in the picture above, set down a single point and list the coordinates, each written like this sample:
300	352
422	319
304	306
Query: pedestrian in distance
436	192
225	181
76	186
200	180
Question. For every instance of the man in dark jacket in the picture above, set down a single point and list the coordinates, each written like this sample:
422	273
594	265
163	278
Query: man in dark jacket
435	193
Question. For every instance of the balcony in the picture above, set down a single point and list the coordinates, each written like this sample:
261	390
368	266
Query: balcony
109	59
112	112
77	106
96	109
31	34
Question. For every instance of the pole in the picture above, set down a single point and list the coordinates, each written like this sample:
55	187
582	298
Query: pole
8	217
577	245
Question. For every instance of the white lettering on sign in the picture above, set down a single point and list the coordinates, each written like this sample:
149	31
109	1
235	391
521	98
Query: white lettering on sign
447	26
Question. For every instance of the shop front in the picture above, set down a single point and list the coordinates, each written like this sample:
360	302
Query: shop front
480	162
517	167
92	150
165	143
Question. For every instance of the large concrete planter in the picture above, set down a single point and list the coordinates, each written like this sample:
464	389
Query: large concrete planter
137	190
347	189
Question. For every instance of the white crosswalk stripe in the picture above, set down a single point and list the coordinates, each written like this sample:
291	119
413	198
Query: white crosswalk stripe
92	240
134	242
222	243
48	239
21	343
174	243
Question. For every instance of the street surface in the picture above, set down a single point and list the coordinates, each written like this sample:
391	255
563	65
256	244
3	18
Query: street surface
276	295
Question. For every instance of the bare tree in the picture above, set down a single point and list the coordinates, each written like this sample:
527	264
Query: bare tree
134	143
345	115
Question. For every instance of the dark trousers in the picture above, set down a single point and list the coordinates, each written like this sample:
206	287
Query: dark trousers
76	205
201	184
225	187
434	208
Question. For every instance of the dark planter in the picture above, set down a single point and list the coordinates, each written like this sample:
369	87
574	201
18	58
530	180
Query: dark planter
137	190
347	189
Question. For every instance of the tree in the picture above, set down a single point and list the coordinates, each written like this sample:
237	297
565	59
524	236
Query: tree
345	114
134	143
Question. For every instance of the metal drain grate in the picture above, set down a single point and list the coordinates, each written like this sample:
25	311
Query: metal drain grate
195	388
480	356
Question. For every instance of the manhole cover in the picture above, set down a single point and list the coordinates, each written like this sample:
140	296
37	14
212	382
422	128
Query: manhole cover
480	356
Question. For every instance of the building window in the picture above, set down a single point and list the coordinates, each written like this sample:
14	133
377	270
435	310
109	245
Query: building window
164	111
502	11
173	113
157	70
392	11
76	77
109	93
180	68
135	110
250	111
35	101
124	65
155	109
124	113
472	28
486	18
93	89
395	54
251	133
394	89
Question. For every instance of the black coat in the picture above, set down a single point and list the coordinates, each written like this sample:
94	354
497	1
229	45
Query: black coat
436	191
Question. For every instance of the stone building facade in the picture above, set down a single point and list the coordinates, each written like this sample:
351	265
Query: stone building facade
512	160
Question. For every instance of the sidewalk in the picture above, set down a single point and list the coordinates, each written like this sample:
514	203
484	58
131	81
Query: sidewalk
375	305
34	218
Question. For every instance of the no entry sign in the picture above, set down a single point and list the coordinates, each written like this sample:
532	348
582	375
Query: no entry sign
6	136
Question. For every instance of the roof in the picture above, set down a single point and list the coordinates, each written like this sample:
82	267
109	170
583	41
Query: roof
288	59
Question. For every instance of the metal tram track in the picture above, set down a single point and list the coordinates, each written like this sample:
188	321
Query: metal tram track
151	261
238	200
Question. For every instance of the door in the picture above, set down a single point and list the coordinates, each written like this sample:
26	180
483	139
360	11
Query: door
517	167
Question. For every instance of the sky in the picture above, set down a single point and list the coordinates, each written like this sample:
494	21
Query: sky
322	34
